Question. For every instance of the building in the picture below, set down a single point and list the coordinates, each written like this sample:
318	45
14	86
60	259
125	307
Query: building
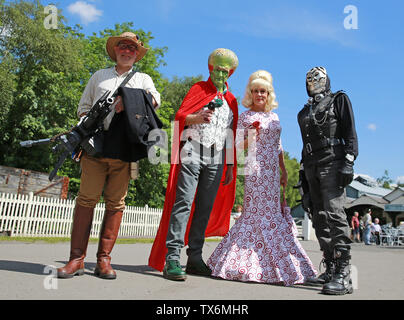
386	204
21	181
364	193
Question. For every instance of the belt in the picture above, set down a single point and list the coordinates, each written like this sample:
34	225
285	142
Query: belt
321	144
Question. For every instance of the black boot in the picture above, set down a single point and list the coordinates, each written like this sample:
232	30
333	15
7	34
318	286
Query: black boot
341	282
329	263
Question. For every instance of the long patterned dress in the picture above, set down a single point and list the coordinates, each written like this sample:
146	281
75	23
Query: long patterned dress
262	245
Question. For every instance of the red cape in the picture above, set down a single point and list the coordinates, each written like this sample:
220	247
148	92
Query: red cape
198	96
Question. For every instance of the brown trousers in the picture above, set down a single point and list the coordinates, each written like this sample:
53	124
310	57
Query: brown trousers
103	174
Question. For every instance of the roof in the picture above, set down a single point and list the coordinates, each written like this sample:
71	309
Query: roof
367	200
395	194
365	178
369	190
399	200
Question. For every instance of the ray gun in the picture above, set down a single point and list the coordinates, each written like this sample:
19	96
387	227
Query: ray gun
80	137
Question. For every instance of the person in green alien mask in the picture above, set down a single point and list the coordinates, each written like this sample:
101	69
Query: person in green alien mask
197	204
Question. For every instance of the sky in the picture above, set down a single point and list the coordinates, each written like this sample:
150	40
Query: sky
360	43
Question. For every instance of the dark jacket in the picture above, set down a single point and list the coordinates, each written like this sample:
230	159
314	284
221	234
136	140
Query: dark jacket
127	137
338	124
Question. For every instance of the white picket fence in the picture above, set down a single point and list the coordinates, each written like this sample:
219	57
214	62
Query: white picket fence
30	216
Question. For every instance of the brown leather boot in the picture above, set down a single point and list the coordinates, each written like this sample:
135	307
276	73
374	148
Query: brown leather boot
82	221
109	233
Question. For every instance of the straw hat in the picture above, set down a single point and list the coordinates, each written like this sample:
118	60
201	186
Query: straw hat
113	41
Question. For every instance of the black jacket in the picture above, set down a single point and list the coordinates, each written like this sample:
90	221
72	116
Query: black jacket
127	137
339	124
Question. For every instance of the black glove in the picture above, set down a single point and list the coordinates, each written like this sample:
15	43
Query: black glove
346	173
303	187
303	182
307	204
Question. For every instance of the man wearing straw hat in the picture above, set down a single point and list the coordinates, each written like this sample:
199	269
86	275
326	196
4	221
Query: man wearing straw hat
101	175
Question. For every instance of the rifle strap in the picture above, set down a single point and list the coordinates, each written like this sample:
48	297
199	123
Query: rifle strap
125	81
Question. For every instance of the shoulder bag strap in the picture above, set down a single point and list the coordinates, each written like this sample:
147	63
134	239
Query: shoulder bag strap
124	82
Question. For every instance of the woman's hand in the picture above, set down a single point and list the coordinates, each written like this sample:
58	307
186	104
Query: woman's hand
284	179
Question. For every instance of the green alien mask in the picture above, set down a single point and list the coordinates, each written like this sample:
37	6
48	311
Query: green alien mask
222	64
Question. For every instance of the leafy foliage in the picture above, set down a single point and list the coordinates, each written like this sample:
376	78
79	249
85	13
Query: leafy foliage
385	180
292	167
43	73
41	69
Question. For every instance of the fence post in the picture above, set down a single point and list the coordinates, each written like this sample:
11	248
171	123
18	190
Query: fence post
28	214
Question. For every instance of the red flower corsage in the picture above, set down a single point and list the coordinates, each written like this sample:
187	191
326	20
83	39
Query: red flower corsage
256	125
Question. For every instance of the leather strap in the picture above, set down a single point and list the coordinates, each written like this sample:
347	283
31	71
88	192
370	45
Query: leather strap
124	82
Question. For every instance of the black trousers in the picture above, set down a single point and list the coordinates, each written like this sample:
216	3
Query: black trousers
328	199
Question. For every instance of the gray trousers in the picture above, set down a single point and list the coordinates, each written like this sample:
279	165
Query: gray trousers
328	199
199	178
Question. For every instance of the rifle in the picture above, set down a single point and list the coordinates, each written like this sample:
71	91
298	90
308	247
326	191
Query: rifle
80	137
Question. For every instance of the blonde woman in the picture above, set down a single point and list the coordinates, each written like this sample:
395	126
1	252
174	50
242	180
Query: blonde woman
262	245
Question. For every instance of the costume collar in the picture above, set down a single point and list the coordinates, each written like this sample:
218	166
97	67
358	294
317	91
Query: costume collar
123	74
213	87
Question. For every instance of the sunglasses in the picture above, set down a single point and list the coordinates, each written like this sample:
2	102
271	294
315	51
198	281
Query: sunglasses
124	46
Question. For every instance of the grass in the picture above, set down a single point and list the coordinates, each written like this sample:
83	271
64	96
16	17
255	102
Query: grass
92	240
67	239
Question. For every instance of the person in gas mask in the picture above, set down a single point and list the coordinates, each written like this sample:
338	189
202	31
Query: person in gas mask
330	147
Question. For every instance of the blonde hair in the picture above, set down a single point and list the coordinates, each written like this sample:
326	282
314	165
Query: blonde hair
260	78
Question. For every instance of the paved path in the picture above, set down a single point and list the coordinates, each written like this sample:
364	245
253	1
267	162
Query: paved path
378	275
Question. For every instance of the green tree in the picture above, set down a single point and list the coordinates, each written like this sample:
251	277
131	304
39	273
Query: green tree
40	68
7	87
43	73
292	167
385	180
173	93
239	199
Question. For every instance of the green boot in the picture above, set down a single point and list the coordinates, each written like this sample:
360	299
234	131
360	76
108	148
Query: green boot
173	271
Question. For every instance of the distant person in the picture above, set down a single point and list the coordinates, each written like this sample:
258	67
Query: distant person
355	225
376	229
361	229
237	213
367	224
